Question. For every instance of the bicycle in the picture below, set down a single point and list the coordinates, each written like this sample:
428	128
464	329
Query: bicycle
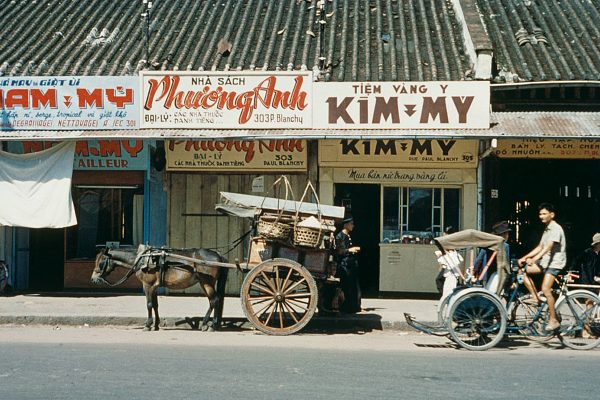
4	286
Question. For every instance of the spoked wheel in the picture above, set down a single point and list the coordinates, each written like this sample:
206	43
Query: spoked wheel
529	319
477	321
579	313
279	296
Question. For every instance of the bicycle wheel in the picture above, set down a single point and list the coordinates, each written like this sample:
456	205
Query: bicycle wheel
443	310
477	321
3	277
579	313
529	321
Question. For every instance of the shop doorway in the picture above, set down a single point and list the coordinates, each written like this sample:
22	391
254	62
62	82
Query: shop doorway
46	259
572	186
363	203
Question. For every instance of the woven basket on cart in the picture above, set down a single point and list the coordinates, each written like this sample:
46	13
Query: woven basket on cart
277	226
308	237
273	227
304	235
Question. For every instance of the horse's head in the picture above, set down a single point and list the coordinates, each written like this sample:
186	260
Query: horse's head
103	266
108	259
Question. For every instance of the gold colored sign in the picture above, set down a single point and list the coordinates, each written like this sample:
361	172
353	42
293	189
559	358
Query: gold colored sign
549	148
287	155
429	153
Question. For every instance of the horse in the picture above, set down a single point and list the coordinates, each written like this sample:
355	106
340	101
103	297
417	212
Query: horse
164	271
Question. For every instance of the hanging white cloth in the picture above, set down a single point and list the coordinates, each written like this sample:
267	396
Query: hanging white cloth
35	188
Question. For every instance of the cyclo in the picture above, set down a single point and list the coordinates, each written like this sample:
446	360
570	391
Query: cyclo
477	318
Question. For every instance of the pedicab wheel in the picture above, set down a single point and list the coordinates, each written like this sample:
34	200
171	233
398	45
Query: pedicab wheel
579	315
529	322
477	321
279	296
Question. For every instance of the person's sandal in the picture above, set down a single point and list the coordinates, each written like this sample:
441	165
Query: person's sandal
551	327
531	301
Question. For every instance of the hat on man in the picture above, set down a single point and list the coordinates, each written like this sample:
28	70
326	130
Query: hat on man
348	219
595	239
500	227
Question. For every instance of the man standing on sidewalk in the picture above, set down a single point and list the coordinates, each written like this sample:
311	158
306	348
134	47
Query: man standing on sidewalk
548	257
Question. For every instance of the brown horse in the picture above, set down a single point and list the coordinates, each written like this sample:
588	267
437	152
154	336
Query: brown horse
155	271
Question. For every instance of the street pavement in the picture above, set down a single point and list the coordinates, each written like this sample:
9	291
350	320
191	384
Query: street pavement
130	310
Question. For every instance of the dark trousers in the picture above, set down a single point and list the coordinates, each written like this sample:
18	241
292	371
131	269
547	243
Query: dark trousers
349	282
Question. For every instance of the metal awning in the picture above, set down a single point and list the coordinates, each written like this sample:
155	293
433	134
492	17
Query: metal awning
570	125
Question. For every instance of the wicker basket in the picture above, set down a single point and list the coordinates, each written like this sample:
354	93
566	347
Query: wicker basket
271	227
308	237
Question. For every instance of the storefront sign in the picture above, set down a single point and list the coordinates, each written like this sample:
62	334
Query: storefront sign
402	105
102	155
399	153
226	100
398	176
287	155
69	103
549	148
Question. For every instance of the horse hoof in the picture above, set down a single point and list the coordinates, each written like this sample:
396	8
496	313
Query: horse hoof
205	328
156	328
147	328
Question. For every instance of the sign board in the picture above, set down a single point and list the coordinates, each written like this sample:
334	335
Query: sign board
549	148
432	153
97	155
402	105
398	176
69	103
226	100
287	155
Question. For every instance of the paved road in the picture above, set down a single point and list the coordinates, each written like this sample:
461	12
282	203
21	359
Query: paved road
99	363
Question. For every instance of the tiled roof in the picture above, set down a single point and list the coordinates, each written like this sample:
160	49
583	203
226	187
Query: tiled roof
361	40
544	40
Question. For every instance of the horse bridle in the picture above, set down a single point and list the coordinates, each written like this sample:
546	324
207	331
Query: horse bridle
103	265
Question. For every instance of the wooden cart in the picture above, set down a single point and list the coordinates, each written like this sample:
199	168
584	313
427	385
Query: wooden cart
279	294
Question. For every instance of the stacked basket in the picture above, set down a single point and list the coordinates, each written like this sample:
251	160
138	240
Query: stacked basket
276	227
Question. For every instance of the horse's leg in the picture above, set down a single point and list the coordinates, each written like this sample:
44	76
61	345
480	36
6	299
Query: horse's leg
149	292
209	289
155	306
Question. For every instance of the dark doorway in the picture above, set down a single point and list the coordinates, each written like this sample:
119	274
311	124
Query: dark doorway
363	203
46	259
572	186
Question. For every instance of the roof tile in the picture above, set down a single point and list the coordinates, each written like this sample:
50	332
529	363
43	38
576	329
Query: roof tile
565	45
351	40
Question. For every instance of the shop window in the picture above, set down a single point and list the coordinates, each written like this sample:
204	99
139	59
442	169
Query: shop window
415	215
105	214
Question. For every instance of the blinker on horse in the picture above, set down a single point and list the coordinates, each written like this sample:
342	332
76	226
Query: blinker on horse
155	271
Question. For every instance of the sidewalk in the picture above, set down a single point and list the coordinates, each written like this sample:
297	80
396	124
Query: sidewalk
130	310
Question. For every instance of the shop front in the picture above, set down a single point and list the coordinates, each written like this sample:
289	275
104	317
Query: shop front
401	193
111	195
563	172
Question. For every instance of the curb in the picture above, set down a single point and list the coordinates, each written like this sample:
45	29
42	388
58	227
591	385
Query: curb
317	324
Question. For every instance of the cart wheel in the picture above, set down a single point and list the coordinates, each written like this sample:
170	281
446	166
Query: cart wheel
579	314
477	321
279	296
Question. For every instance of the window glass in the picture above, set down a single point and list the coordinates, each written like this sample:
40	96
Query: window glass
419	209
415	215
104	215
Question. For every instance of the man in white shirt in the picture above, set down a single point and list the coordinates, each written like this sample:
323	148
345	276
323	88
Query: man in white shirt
548	257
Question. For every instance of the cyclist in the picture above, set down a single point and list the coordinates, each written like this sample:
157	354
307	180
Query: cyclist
549	257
